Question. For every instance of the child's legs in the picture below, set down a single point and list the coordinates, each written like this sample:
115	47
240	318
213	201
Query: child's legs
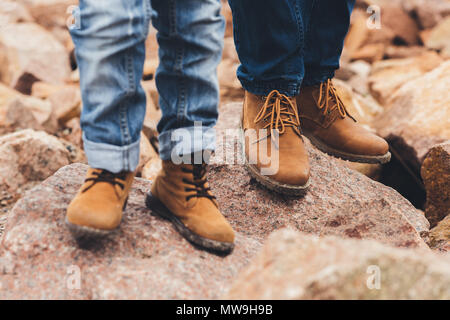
190	37
110	52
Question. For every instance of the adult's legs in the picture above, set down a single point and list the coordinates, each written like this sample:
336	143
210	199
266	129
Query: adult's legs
285	43
269	37
324	117
329	23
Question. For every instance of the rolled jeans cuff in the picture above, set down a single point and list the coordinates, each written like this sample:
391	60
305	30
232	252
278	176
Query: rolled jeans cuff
316	78
110	157
184	141
263	88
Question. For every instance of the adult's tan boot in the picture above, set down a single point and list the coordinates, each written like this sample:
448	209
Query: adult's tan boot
98	206
180	194
274	151
329	126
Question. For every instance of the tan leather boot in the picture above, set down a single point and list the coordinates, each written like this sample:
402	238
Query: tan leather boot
329	126
97	208
180	193
274	151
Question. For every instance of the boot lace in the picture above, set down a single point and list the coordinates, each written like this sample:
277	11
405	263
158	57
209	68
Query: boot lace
280	113
329	93
106	176
198	183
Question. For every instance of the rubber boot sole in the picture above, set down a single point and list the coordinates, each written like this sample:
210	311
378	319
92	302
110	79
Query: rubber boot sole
161	210
84	233
348	156
286	189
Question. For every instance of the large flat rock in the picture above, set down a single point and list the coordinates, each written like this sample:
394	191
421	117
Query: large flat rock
145	258
340	201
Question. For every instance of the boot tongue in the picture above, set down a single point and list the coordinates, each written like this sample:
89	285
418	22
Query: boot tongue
280	113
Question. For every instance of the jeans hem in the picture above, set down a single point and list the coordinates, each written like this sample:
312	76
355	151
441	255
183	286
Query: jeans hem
263	88
110	157
318	78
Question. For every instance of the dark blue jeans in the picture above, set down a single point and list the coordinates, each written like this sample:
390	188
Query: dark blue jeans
284	44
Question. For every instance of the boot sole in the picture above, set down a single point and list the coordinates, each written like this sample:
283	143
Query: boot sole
348	156
84	233
286	189
265	181
161	210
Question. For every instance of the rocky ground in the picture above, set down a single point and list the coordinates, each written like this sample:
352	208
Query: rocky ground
394	80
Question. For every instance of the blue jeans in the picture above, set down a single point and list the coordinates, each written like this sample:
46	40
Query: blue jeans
284	44
110	49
